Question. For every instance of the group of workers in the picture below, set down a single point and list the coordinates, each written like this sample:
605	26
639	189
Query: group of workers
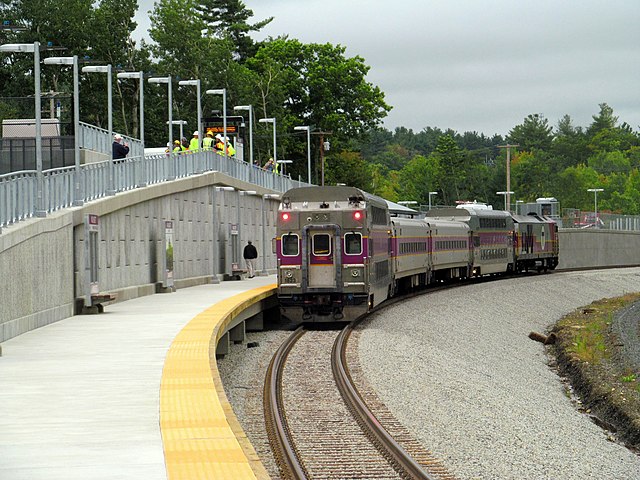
208	143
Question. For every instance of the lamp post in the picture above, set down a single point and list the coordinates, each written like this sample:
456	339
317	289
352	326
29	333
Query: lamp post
140	76
264	232
519	207
35	49
595	191
284	165
249	108
308	130
216	232
506	195
167	80
78	198
111	190
223	92
271	120
430	195
196	83
182	123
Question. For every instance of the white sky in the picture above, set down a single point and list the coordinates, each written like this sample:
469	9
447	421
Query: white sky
474	65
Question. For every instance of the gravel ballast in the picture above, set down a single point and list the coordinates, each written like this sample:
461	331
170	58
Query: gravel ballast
460	372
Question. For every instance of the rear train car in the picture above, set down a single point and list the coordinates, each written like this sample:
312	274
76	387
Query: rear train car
333	249
535	242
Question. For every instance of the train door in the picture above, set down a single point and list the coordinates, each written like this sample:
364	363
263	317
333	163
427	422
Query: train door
321	258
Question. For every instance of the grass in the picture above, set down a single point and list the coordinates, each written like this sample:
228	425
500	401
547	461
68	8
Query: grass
587	351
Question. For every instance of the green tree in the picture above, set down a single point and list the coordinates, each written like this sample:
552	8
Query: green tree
605	119
229	19
533	133
349	168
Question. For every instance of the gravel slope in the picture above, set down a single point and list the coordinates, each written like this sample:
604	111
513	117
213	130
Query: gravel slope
486	401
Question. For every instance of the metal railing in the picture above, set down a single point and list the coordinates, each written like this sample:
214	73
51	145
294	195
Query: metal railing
99	140
18	190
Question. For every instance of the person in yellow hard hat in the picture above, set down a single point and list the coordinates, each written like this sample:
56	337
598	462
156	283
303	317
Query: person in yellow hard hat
207	141
177	146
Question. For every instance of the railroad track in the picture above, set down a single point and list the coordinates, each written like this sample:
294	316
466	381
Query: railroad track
318	424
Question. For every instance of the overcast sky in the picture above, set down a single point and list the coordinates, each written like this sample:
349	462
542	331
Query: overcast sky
476	65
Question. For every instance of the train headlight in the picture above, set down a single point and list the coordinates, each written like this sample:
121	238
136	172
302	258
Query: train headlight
285	216
355	273
289	274
357	215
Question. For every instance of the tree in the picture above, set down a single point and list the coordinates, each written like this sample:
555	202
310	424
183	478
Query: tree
603	120
534	133
229	19
317	85
349	168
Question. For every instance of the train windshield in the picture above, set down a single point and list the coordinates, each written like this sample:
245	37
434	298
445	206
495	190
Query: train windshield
290	245
321	244
353	243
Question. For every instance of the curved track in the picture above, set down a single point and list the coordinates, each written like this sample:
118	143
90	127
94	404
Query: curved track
318	424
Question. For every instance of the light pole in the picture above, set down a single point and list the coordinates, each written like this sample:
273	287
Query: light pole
519	207
249	108
223	92
167	80
271	120
78	198
216	232
196	82
430	195
595	191
506	195
264	232
182	123
111	190
140	76
308	130
35	49
284	165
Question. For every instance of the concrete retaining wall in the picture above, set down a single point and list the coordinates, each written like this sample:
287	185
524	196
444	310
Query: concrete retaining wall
42	261
598	248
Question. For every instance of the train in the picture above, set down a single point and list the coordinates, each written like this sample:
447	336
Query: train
342	251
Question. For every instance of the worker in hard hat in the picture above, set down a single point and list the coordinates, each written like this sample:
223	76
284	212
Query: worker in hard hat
177	146
194	144
207	141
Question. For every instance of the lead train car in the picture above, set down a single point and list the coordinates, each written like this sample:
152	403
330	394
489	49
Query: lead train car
333	249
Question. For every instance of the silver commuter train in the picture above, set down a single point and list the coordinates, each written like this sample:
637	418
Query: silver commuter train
340	253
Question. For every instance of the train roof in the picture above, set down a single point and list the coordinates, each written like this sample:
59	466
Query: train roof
331	193
532	218
449	212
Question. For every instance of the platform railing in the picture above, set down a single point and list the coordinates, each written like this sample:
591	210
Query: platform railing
18	189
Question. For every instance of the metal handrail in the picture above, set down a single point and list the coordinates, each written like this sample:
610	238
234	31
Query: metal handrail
18	190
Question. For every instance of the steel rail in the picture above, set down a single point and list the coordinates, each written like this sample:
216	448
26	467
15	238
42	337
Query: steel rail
284	451
370	425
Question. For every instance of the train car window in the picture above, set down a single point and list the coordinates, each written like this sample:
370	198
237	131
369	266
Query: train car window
290	245
321	244
353	243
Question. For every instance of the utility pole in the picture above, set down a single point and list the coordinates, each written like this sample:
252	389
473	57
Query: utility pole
324	146
508	192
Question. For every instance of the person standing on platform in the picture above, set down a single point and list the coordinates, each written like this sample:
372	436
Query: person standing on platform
207	142
250	255
194	144
119	150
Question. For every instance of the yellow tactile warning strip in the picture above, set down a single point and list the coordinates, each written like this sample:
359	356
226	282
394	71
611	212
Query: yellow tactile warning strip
201	436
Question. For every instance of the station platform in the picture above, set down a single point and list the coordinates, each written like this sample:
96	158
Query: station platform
80	398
